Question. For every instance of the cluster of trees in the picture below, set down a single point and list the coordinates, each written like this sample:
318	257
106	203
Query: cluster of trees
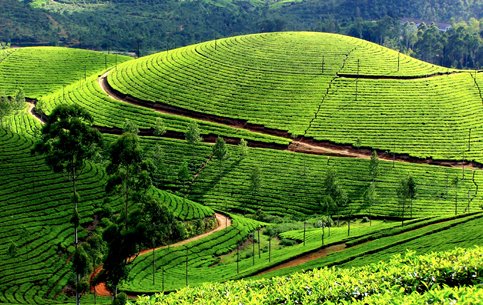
335	198
154	25
458	45
67	142
10	104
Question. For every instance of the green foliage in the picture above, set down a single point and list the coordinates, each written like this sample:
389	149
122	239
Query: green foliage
160	127
407	275
374	166
130	127
243	148
192	135
255	180
220	151
129	171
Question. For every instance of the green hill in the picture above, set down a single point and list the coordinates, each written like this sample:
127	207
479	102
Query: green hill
324	86
42	70
343	95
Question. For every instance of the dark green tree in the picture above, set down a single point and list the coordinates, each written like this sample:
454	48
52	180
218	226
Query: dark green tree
334	197
255	180
406	191
68	140
243	148
129	172
374	166
193	134
220	151
159	128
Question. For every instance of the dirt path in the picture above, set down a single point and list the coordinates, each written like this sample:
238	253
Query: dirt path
300	144
31	107
223	221
306	258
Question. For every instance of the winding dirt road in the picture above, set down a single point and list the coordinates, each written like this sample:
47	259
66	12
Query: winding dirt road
301	144
223	221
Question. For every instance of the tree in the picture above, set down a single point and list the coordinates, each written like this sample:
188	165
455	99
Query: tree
455	183
374	166
129	172
193	135
219	149
156	156
370	197
411	192
160	127
406	190
334	196
68	140
184	176
130	127
243	149
255	180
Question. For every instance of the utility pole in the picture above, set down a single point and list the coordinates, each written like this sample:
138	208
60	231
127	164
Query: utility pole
253	248
186	266
323	64
357	78
305	227
323	233
259	254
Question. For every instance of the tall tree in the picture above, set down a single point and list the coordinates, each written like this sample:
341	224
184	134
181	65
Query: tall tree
219	149
406	190
243	148
374	166
193	134
334	197
67	141
129	171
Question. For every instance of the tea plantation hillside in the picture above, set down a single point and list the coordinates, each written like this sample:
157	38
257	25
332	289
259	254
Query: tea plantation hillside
340	97
437	278
36	233
323	86
42	70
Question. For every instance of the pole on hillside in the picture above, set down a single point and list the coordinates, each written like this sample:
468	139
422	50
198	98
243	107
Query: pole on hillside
398	60
154	270
323	233
105	61
469	139
85	73
237	258
186	266
357	79
162	278
259	254
323	64
253	248
305	228
270	248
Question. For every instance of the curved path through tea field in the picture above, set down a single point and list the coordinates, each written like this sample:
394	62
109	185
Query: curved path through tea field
222	221
300	144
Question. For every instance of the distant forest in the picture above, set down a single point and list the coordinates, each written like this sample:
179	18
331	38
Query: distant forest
445	32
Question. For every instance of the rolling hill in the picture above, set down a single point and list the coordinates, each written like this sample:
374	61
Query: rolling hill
308	103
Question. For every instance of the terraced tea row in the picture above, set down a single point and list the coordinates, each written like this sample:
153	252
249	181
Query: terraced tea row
36	209
285	176
398	240
278	80
108	112
42	70
35	214
408	279
171	264
438	117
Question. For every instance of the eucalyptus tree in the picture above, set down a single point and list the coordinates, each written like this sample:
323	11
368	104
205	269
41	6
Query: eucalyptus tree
67	141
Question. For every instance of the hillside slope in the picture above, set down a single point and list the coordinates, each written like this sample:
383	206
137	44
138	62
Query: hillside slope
323	86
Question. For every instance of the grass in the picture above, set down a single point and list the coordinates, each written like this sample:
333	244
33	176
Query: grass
42	70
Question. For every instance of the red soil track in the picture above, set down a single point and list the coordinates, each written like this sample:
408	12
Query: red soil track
222	221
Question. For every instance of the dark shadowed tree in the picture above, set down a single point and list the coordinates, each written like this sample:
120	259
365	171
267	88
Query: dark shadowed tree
67	141
129	172
193	134
220	151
